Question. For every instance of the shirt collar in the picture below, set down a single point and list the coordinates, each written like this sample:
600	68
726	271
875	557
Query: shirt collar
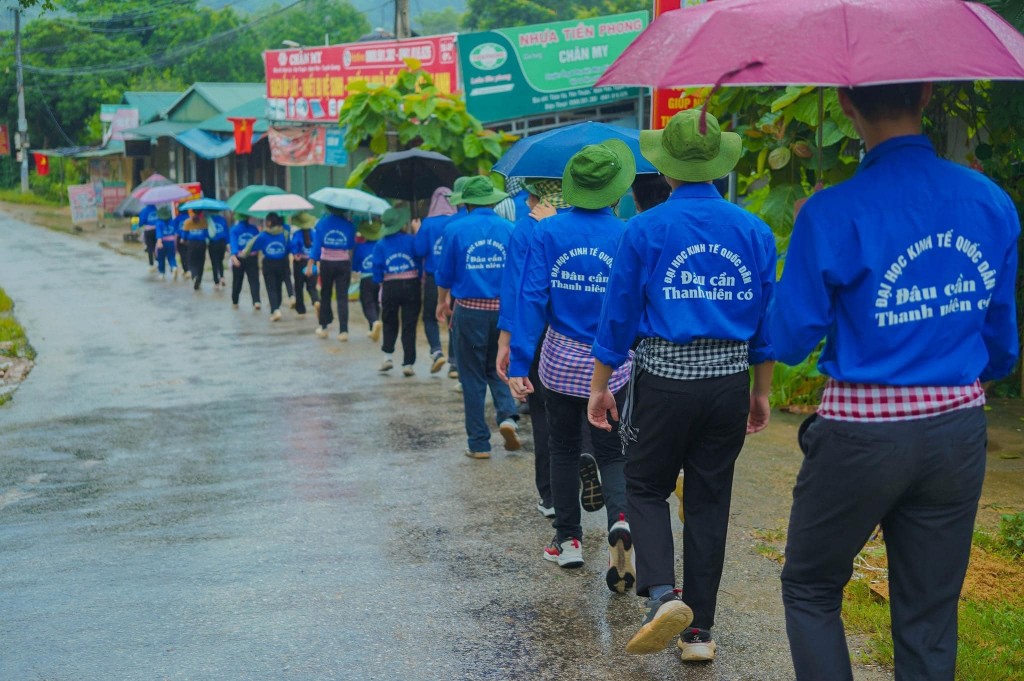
895	145
607	210
699	190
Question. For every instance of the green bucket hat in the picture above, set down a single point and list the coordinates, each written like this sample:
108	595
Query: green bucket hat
303	221
393	220
682	152
598	174
163	212
455	198
480	191
371	230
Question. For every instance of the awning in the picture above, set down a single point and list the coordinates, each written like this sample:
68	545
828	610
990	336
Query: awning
256	108
160	129
207	145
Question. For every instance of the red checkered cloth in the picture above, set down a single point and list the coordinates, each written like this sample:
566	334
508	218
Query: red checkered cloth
488	304
866	402
408	274
335	254
566	366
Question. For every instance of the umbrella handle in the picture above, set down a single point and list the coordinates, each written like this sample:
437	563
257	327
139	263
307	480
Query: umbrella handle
718	84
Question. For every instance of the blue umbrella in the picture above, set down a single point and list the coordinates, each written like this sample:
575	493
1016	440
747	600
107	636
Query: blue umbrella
204	204
546	154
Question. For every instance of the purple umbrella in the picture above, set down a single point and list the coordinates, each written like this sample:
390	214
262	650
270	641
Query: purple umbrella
163	194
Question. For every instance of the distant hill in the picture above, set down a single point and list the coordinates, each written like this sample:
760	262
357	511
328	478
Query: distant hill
378	13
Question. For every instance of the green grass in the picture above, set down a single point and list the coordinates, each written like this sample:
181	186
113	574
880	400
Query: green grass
33	199
6	304
11	330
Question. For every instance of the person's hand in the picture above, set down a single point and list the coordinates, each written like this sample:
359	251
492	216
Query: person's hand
543	210
760	413
235	262
309	270
414	225
598	407
520	387
504	358
443	312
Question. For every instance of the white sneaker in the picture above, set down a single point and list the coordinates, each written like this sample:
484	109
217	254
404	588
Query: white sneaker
291	302
696	645
568	554
439	360
256	305
510	431
387	365
546	511
320	332
378	327
343	337
275	315
621	575
408	371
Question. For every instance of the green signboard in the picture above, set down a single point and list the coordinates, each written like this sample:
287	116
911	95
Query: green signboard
545	68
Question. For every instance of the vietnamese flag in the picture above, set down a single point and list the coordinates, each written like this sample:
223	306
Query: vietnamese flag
243	134
42	164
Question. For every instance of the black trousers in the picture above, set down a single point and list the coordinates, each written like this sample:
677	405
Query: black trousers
921	480
303	284
196	262
149	238
400	298
289	286
697	427
539	422
369	299
430	326
217	250
250	270
334	279
274	273
183	260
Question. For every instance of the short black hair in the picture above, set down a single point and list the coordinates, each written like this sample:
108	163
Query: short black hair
274	219
650	191
886	102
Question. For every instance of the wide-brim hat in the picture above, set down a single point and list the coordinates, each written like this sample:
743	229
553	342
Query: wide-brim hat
393	220
164	213
371	230
683	152
303	221
480	191
455	198
598	174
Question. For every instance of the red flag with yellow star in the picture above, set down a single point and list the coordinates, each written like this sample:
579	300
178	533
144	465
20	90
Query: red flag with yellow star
243	134
42	163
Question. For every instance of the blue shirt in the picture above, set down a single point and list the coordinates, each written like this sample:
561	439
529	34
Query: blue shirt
522	209
164	230
693	267
565	278
147	216
512	277
429	240
194	234
907	270
241	233
274	246
473	255
362	261
178	220
395	254
220	226
297	243
332	232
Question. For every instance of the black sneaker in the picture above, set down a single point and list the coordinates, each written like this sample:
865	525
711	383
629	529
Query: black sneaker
696	645
591	494
666	618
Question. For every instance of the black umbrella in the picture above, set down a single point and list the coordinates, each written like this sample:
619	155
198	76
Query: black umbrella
411	175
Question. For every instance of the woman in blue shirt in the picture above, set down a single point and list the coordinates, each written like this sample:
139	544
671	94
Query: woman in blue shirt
195	230
300	244
369	234
428	247
397	269
166	239
217	248
274	246
247	266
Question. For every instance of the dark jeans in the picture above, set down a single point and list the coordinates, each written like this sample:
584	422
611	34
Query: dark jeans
149	238
400	297
335	278
274	273
303	284
565	438
250	270
699	427
288	282
921	480
476	343
165	256
196	262
217	250
430	326
539	421
369	298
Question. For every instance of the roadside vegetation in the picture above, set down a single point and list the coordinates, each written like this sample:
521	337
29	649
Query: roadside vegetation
14	345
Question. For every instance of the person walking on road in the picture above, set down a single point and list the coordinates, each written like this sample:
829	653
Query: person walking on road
369	233
908	271
217	248
563	287
428	247
196	230
397	269
274	246
692	278
166	240
247	266
470	271
301	244
147	221
334	238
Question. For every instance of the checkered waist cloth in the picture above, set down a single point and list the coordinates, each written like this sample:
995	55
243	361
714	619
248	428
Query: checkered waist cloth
335	254
844	401
411	274
566	366
699	359
488	304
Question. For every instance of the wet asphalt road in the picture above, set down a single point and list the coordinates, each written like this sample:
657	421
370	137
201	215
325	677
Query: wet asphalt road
191	492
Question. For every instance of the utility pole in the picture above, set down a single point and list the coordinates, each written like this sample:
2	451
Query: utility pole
22	121
402	28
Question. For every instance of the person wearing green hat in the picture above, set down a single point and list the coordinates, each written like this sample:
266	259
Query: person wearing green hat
470	270
245	267
563	288
397	269
428	247
692	278
460	212
368	233
300	246
217	248
166	239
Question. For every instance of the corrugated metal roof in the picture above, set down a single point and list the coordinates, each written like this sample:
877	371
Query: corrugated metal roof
160	129
150	104
222	96
207	145
255	108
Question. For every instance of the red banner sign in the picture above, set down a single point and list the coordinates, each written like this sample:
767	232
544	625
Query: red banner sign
5	141
311	83
667	102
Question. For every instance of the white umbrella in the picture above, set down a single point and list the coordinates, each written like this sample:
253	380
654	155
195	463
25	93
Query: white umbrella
350	199
280	203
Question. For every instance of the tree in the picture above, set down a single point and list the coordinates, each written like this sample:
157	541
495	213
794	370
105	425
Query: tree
311	22
412	112
482	15
437	22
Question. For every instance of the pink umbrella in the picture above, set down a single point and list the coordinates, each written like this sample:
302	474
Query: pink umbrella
280	203
166	193
821	42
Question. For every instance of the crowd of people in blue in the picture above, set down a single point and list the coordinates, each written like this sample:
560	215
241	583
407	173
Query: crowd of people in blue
650	345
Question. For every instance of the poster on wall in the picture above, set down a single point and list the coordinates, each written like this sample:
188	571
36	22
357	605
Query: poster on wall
112	194
335	153
84	203
667	102
303	145
311	83
544	68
